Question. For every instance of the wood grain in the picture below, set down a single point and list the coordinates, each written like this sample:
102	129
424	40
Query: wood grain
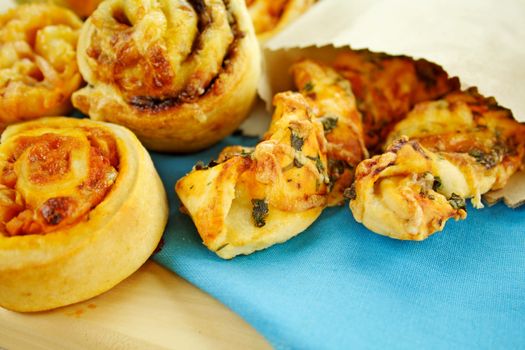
152	309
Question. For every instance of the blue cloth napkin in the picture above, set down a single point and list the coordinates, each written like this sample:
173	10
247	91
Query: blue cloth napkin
338	285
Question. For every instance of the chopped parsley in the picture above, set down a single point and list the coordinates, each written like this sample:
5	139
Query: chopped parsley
437	183
488	160
329	123
318	163
296	141
297	163
222	247
259	212
457	202
308	87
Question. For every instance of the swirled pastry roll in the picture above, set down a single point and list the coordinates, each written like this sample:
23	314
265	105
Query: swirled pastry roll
334	105
461	147
396	193
81	208
38	68
180	74
271	16
251	199
83	8
387	88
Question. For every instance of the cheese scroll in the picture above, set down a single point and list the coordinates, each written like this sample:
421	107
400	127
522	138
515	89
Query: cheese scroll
81	208
180	74
38	67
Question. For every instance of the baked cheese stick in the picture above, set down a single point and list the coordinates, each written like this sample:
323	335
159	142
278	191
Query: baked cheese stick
251	199
334	105
461	147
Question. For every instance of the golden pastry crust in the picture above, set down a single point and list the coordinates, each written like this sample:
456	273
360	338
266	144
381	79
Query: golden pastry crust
271	16
253	198
387	88
38	69
70	192
466	122
334	105
461	147
181	77
395	193
83	8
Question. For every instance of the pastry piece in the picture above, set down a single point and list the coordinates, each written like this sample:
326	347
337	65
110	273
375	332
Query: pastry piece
466	123
271	16
81	208
461	147
387	88
396	193
38	68
251	199
181	75
333	104
83	8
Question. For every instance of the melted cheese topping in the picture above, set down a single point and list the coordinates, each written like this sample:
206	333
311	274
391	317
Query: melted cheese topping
334	105
399	193
254	198
53	177
471	129
156	50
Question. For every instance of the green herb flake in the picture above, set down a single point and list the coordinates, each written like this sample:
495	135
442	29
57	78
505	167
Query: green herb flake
297	163
259	212
437	183
296	141
457	202
318	163
308	87
222	247
246	152
488	160
329	123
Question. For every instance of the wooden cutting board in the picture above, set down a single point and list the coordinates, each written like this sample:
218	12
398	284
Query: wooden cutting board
152	309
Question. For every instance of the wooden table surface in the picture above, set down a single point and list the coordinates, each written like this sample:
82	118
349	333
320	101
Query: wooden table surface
152	309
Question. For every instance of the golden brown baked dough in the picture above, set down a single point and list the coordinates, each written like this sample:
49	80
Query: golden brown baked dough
333	103
462	147
465	122
387	88
271	16
394	194
83	8
180	76
81	208
38	69
251	199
